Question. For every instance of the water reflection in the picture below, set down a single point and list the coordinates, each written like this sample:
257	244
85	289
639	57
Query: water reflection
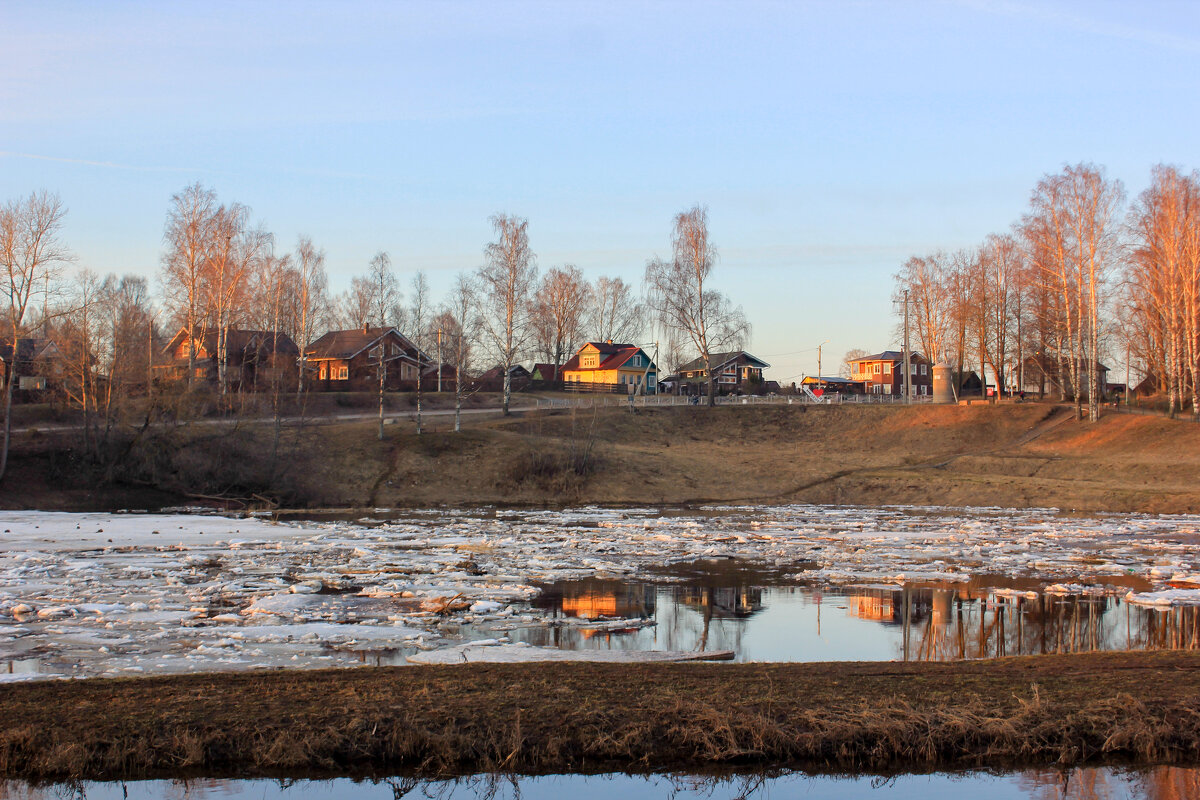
1156	783
982	618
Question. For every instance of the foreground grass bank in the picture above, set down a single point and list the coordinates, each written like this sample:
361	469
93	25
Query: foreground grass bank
437	721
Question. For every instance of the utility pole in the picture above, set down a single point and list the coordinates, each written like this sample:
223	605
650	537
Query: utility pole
907	357
820	380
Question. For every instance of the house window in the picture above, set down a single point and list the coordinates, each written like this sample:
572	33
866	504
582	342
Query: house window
887	369
924	368
878	369
343	373
323	372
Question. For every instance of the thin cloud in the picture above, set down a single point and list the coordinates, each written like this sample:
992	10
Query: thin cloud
89	163
311	172
1085	24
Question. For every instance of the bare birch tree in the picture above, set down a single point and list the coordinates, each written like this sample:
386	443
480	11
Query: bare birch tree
506	282
560	307
418	319
188	237
616	312
1163	282
382	299
927	280
679	294
311	292
31	257
460	324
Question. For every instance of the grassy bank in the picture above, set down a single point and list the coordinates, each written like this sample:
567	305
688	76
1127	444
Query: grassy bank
1102	708
1009	455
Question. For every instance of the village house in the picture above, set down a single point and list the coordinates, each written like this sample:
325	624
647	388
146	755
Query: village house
819	385
493	379
609	367
883	373
35	359
253	359
737	372
1047	376
349	360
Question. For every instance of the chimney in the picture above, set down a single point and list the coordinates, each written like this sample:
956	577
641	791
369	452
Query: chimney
610	341
366	327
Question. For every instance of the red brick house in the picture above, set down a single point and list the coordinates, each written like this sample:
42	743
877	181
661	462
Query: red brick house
254	359
883	373
349	360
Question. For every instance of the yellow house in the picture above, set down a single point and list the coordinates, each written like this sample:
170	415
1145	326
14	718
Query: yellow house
608	367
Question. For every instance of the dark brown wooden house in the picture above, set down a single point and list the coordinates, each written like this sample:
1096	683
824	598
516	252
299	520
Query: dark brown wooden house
349	360
737	372
255	360
35	361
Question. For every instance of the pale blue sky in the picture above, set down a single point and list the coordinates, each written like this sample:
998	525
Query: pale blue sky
829	140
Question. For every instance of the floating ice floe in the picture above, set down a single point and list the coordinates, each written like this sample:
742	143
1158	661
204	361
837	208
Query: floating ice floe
1165	597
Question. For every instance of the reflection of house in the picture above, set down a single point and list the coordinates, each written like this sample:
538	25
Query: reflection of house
736	372
722	601
350	359
882	606
591	599
608	367
252	358
35	359
883	373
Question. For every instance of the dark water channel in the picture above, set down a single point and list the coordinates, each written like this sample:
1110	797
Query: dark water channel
1157	783
760	616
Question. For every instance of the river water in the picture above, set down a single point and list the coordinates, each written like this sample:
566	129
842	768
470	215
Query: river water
121	594
1157	783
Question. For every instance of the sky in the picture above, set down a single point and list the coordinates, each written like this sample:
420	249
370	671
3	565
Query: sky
829	141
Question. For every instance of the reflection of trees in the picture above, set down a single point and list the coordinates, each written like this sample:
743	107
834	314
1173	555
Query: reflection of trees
1154	783
946	623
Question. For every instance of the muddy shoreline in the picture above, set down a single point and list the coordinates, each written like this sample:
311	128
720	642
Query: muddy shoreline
1109	708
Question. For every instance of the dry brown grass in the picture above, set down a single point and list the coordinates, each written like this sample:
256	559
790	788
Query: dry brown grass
1007	455
440	721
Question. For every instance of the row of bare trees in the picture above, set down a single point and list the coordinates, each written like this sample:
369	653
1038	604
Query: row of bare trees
1078	279
221	272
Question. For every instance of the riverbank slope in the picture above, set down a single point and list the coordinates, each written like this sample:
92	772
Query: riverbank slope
1011	455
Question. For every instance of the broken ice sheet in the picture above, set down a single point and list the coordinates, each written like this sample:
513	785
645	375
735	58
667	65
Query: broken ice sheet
96	594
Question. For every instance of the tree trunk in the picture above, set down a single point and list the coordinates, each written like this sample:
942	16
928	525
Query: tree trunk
11	378
507	386
382	379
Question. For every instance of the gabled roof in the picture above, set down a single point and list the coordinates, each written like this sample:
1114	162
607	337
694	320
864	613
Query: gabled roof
544	372
888	355
497	372
238	340
720	360
29	349
613	356
344	345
